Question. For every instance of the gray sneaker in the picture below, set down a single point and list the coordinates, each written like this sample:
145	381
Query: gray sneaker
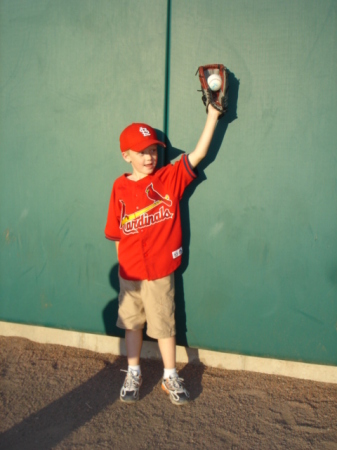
130	389
173	386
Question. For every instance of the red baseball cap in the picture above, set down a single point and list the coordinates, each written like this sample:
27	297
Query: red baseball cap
137	137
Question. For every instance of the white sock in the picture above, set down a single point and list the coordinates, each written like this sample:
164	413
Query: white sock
135	369
169	372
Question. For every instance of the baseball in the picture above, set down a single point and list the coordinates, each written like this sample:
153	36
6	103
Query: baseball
214	82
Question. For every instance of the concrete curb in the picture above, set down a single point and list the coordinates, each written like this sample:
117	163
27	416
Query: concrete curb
107	344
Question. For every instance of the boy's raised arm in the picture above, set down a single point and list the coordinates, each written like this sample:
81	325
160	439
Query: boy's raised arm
205	139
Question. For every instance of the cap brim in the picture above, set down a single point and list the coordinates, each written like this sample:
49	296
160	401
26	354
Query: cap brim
143	145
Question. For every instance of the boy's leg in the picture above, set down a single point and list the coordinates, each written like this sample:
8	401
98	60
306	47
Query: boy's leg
172	384
167	349
133	380
131	317
158	297
133	342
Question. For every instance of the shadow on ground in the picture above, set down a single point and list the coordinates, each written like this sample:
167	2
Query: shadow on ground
52	424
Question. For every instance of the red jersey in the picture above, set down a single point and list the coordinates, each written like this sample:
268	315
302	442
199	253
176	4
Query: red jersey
144	216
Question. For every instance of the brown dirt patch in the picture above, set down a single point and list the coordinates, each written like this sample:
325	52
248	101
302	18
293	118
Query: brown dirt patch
55	397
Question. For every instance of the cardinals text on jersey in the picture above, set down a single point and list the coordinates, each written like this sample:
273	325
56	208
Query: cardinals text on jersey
131	223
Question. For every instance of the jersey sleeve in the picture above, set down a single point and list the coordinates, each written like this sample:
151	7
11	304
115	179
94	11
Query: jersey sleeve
179	175
112	230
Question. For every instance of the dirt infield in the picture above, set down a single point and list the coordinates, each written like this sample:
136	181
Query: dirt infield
55	397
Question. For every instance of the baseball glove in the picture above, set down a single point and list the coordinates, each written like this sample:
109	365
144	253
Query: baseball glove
218	99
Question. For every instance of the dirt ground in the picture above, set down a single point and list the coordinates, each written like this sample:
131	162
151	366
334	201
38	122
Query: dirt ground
55	397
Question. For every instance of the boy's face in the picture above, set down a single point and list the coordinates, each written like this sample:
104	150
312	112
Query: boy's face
143	163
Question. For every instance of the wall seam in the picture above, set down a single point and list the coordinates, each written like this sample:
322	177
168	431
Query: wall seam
167	74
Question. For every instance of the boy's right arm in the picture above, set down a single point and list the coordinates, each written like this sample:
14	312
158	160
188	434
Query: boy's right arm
117	245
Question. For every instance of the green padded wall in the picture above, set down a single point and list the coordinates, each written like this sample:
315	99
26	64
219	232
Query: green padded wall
73	75
259	275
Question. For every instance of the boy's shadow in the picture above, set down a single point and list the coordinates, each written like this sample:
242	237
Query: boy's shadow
172	153
110	312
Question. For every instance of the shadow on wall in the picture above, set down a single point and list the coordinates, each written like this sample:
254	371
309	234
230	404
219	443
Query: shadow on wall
110	312
172	153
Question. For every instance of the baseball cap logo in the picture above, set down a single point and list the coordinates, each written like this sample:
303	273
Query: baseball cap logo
145	132
137	137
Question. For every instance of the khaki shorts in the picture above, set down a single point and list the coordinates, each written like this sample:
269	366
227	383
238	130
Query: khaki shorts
147	301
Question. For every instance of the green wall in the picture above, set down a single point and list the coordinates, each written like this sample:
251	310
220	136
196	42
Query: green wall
259	275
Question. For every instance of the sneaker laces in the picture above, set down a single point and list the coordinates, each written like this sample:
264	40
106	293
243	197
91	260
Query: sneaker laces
175	385
131	382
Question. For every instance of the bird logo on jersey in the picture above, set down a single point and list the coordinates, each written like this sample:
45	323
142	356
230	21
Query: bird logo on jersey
131	223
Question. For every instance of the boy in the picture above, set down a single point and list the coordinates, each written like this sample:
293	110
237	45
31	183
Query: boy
144	220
